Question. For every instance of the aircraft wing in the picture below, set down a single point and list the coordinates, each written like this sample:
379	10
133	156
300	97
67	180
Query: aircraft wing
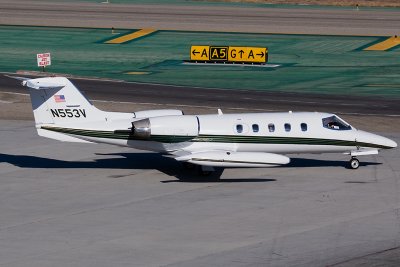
234	159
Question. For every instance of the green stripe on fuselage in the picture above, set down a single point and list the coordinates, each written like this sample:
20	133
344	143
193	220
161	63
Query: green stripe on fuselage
212	138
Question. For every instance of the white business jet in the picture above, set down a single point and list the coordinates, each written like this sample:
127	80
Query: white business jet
217	140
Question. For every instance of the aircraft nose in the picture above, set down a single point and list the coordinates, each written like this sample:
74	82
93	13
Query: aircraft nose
382	141
391	143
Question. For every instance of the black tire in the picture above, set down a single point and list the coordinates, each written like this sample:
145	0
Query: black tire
354	163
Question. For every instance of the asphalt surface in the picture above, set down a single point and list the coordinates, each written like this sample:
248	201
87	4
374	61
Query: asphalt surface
66	204
252	101
202	17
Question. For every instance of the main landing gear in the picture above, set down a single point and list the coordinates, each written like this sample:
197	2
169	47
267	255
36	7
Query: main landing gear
202	170
354	163
206	170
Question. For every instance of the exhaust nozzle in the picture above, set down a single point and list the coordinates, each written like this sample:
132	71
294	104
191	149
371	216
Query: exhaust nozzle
141	129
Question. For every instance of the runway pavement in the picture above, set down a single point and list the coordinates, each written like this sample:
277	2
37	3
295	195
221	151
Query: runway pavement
70	204
202	17
67	204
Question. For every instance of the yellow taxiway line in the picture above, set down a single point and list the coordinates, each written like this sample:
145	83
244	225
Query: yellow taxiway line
130	36
137	72
385	45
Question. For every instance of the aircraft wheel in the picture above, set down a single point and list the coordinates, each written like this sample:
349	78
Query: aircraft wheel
354	163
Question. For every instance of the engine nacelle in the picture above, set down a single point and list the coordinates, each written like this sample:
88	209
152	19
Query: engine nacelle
157	113
171	126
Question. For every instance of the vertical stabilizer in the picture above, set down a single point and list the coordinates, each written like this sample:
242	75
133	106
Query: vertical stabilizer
55	100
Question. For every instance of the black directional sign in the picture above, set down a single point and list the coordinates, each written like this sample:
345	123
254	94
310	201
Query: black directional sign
219	53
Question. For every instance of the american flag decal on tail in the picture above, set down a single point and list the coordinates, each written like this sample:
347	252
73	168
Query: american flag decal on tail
59	98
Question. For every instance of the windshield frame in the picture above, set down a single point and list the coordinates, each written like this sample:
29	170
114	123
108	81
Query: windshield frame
334	122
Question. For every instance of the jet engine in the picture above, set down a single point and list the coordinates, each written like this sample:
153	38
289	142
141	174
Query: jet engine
171	126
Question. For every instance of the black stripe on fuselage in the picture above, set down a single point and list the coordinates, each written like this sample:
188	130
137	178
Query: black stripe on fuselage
126	135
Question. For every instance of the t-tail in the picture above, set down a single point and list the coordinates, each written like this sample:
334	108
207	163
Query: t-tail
56	102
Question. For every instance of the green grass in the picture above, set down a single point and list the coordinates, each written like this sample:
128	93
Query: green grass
309	63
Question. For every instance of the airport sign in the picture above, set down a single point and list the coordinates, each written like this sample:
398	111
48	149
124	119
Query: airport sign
219	53
200	52
248	54
43	59
229	54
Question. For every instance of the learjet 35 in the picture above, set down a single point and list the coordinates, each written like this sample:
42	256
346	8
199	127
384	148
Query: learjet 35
216	140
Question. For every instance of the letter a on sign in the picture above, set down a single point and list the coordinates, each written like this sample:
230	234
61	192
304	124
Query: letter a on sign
251	54
199	53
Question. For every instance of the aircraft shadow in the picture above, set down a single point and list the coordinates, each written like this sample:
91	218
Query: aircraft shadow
156	161
302	162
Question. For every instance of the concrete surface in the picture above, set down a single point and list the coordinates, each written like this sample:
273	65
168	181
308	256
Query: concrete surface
67	204
201	17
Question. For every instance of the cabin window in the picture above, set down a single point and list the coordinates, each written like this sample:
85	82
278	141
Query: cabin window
303	126
335	123
239	128
255	128
271	127
288	127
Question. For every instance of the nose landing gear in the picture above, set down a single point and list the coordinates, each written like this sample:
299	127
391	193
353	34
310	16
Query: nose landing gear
354	163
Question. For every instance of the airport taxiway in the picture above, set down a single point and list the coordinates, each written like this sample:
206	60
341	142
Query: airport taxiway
70	204
242	100
67	204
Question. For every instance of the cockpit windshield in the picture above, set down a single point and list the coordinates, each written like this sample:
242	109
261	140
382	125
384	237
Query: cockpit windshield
335	123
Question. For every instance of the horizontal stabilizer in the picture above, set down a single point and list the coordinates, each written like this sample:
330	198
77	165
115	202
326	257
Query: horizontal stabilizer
40	84
235	159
